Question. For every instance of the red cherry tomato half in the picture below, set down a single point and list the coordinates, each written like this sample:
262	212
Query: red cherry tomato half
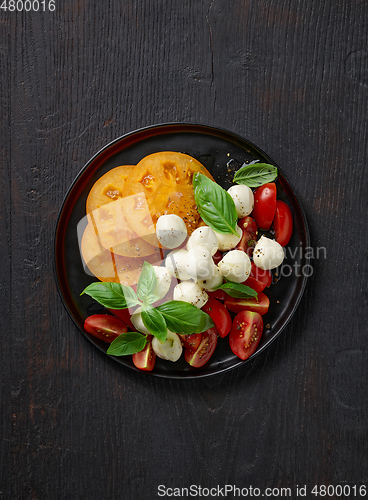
245	333
191	341
249	235
124	315
217	257
264	205
104	327
283	223
204	351
219	314
259	305
258	279
145	360
218	294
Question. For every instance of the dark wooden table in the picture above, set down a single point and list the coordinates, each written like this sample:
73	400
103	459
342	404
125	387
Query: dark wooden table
290	76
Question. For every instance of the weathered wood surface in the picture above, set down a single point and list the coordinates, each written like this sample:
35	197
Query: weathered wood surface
291	76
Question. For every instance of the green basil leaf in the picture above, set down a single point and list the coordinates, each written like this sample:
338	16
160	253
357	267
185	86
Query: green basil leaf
255	174
215	205
112	295
147	281
182	317
237	290
127	343
151	298
155	323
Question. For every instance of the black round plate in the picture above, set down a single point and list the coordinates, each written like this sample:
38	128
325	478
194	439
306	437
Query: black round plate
222	152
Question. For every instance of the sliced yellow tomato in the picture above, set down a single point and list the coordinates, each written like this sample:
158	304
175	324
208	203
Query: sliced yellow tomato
160	184
108	266
108	188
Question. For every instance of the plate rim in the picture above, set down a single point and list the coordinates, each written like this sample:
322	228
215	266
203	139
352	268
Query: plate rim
205	128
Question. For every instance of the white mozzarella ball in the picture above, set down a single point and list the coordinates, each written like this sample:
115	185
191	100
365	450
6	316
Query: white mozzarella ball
229	240
203	236
191	292
163	281
235	266
136	319
175	263
212	283
268	254
171	230
200	265
243	198
170	349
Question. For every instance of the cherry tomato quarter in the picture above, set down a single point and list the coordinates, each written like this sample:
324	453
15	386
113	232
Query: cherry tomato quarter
191	341
105	327
145	360
283	223
217	257
124	315
264	205
220	316
249	235
259	304
246	333
199	357
217	294
258	279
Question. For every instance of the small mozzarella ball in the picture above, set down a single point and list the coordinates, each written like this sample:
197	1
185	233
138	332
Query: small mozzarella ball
212	283
175	263
190	292
268	254
200	265
243	198
229	240
170	349
163	281
136	319
203	236
171	230
235	266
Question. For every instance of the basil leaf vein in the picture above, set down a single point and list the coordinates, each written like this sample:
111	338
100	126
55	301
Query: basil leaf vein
182	317
127	343
255	174
147	281
215	205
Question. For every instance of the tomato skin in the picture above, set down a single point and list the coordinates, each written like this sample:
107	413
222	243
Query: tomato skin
218	294
145	360
264	205
258	278
246	333
217	257
191	341
259	305
199	357
249	237
283	223
104	327
124	315
220	316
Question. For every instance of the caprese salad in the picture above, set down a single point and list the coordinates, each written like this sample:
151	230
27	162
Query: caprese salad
180	260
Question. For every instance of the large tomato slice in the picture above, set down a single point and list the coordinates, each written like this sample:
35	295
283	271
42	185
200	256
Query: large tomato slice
160	184
107	266
199	357
145	360
283	223
259	305
264	205
220	315
245	333
108	188
104	327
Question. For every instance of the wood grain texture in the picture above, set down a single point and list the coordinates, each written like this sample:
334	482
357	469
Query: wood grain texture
290	76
